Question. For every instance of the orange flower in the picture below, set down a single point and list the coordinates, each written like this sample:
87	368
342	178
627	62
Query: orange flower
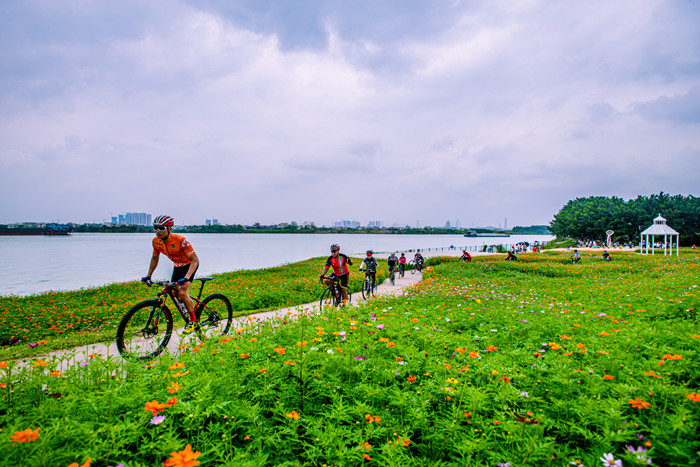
411	379
473	354
245	355
505	379
180	373
290	362
86	464
57	374
92	355
399	359
3	385
554	346
581	345
651	373
40	363
564	337
461	349
293	415
467	414
371	419
26	436
176	365
496	422
184	458
225	340
694	336
155	407
391	344
608	377
301	343
491	348
672	357
639	403
174	387
254	339
172	401
3	365
367	457
404	442
280	350
693	396
603	333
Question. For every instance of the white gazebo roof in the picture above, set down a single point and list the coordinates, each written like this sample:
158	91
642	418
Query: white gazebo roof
659	228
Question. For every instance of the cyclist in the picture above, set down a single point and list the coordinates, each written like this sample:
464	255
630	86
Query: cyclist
185	262
402	264
466	256
370	264
339	262
393	262
418	260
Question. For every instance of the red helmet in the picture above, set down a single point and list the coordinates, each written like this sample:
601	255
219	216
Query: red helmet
163	221
335	247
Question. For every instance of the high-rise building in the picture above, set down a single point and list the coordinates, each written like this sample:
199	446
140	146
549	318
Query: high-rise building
135	218
215	222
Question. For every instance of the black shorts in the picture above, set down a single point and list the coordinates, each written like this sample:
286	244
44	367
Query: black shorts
181	271
344	278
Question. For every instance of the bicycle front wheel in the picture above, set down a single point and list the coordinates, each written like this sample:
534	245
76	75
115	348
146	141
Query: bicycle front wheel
215	315
366	288
327	299
144	331
413	269
392	277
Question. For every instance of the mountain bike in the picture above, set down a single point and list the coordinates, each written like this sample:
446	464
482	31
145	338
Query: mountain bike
333	295
145	330
416	266
369	286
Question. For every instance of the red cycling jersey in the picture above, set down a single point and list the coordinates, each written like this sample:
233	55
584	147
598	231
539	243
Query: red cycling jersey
339	264
177	248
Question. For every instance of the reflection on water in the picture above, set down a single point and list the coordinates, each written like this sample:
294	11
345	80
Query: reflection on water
33	264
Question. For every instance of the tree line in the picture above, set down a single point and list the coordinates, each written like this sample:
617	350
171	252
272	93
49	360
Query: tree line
589	218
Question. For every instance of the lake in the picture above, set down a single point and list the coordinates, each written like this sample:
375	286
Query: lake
35	264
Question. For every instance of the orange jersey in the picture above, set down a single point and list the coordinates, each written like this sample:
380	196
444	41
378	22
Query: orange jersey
177	248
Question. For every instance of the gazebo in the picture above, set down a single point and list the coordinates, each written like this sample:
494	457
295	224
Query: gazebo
660	228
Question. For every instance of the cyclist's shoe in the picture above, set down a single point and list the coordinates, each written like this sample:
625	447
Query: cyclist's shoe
191	326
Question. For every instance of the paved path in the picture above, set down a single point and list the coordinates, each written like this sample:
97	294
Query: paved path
80	354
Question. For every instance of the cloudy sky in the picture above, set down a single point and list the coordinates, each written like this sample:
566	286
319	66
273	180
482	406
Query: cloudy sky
402	111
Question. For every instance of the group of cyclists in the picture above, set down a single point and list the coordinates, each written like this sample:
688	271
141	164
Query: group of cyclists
185	262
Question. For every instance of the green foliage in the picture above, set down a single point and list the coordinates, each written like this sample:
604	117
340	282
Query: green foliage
534	362
589	218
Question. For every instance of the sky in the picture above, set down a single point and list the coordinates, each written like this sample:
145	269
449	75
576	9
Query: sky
402	111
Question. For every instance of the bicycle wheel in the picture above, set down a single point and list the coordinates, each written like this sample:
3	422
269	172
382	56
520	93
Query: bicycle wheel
145	330
214	315
365	288
327	299
373	291
392	277
413	269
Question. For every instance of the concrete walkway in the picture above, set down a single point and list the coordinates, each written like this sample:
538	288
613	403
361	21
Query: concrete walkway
179	343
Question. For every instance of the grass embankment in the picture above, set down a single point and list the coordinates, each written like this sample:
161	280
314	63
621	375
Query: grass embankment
63	320
535	362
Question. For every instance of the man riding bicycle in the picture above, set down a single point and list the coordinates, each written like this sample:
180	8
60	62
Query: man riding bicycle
370	265
339	262
185	262
418	260
393	262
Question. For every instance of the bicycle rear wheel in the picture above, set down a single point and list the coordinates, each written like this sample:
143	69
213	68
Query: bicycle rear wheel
145	330
392	277
413	269
214	315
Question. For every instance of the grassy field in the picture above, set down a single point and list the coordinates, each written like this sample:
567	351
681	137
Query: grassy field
535	362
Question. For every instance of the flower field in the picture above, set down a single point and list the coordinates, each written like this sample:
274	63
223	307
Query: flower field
534	362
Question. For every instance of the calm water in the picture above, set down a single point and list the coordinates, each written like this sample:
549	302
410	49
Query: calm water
34	264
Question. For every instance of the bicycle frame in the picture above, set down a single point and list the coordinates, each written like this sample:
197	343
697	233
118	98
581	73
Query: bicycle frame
169	289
